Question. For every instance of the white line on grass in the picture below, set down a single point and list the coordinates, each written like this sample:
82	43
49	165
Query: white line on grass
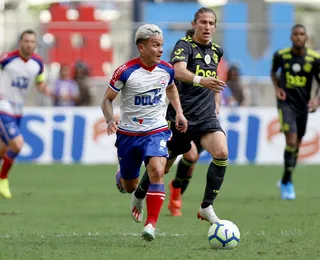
96	234
289	233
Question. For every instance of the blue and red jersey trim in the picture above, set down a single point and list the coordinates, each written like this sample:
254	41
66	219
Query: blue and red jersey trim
150	132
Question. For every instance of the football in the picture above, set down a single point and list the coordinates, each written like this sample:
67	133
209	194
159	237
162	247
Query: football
224	234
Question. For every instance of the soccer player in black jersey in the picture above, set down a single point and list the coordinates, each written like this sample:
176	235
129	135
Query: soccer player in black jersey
298	65
195	60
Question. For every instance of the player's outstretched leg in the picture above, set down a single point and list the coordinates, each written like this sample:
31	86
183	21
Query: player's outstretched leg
216	144
215	177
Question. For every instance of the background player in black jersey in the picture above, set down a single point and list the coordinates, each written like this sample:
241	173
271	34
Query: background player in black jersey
298	65
195	60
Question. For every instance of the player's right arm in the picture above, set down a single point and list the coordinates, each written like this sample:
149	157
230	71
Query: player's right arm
276	63
116	84
179	58
107	110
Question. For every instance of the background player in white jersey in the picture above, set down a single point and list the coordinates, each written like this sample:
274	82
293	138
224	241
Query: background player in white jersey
142	132
19	70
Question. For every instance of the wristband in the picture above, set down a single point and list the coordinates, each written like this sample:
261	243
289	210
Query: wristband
197	79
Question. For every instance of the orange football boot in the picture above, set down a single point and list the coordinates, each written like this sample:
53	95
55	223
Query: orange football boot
175	201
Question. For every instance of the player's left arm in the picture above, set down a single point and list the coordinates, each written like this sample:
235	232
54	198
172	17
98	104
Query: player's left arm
174	99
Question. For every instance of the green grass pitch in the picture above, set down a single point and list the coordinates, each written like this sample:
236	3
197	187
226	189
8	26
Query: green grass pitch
75	212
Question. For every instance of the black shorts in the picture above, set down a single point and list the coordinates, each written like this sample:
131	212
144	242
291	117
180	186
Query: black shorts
180	143
292	121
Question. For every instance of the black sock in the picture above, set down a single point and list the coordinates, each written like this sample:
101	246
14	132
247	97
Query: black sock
185	183
215	176
182	172
289	163
143	186
296	157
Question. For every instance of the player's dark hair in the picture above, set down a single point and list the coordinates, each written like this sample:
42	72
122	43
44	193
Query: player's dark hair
190	32
29	31
298	25
204	10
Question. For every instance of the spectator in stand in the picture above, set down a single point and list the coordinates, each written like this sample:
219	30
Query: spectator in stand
65	90
81	77
240	94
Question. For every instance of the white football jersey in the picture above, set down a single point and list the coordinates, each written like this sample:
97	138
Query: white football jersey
17	74
143	100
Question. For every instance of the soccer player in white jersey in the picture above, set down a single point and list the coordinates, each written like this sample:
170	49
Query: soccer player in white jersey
142	132
20	69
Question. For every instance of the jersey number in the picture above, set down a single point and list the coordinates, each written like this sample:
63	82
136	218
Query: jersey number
20	82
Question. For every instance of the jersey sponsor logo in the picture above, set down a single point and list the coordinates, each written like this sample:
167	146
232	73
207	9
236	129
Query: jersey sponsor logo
144	120
295	81
149	98
20	82
138	120
205	73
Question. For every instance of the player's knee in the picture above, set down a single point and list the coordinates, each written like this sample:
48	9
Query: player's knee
191	157
156	174
16	144
221	152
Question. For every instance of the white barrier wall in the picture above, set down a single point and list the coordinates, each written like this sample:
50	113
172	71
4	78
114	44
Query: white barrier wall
79	135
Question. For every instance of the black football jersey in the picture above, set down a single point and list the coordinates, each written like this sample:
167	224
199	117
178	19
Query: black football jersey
197	102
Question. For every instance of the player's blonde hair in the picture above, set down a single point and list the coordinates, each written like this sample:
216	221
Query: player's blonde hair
146	31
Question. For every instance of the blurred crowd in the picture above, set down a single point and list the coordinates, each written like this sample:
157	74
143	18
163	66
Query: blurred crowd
235	93
73	86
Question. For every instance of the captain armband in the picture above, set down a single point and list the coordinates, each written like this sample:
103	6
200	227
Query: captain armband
197	79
